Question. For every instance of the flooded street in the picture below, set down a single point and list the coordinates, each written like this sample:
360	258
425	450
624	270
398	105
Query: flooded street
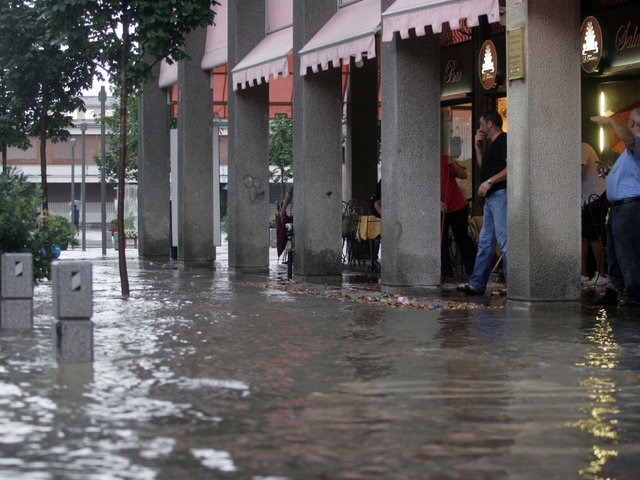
206	374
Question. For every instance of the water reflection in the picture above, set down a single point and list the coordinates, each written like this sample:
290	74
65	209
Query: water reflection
200	376
601	421
366	339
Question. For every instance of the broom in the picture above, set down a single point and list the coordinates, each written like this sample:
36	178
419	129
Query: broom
496	276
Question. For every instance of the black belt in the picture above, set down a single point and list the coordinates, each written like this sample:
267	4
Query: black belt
626	200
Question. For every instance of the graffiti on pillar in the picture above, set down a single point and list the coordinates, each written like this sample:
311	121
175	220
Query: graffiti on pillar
254	187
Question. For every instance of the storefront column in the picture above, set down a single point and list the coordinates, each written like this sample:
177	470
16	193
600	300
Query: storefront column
410	164
248	210
195	155
317	154
544	155
362	129
154	169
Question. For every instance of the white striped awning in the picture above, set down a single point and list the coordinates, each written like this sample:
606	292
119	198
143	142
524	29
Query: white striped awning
268	58
168	74
404	15
215	50
349	33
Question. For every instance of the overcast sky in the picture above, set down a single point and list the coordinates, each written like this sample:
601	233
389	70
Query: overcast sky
95	90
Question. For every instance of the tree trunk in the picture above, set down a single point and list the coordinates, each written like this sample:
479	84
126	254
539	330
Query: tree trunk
43	149
4	158
124	278
282	186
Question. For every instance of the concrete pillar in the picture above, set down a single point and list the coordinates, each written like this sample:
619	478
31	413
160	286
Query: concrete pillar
195	155
16	291
544	155
317	154
248	208
154	169
72	329
362	129
410	164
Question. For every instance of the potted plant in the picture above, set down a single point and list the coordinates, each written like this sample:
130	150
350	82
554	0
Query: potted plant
24	230
58	228
131	235
113	229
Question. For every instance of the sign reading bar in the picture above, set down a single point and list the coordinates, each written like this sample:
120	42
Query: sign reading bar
456	67
515	53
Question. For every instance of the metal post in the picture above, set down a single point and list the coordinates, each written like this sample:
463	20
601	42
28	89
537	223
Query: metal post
73	179
83	188
103	180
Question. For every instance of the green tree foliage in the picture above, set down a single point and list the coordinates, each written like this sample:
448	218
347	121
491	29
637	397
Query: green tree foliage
123	35
13	124
112	154
281	150
23	230
43	77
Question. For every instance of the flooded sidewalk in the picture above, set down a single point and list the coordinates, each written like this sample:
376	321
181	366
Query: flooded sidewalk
204	373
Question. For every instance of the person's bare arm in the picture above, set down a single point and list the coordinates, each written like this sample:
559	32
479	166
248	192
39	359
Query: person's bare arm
378	206
285	204
620	130
478	144
461	172
498	177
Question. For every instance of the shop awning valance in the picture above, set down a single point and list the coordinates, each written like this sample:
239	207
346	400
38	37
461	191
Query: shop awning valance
268	58
215	50
168	74
349	33
404	15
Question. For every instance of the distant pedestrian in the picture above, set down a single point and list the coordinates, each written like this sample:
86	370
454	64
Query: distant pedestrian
76	217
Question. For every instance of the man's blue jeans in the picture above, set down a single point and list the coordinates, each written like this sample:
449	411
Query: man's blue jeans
623	249
494	229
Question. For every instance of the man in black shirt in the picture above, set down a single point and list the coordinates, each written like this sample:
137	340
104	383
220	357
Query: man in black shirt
493	174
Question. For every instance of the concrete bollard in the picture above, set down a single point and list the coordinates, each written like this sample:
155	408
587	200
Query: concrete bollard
16	291
72	331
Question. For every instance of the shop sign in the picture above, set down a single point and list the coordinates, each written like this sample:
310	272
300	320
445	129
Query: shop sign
452	73
455	71
591	40
627	38
488	65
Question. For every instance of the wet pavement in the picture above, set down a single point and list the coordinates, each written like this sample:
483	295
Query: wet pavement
207	374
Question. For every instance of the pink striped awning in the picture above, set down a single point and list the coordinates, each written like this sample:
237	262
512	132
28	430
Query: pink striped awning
349	33
215	50
168	74
404	15
268	58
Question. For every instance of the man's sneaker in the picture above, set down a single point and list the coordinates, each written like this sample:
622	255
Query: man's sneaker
585	279
610	297
600	281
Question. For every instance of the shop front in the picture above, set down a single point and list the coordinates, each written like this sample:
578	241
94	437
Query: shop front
610	59
472	80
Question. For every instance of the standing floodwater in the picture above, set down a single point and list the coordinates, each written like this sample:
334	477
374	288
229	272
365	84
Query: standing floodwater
205	374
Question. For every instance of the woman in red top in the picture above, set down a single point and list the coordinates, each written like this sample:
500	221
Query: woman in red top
455	212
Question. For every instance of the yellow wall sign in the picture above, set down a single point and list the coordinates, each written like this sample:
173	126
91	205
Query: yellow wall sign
515	53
